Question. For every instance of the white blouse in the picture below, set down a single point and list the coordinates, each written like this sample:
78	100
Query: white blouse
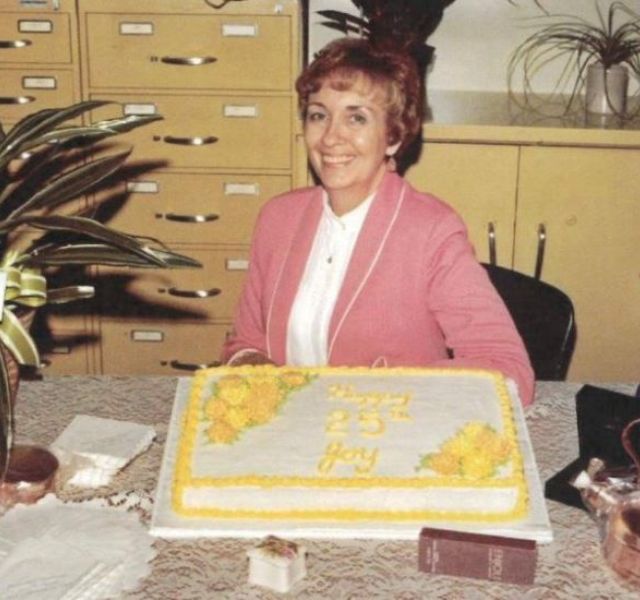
308	326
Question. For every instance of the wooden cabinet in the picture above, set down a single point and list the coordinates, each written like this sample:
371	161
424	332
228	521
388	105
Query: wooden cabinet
38	57
222	79
588	200
480	182
583	195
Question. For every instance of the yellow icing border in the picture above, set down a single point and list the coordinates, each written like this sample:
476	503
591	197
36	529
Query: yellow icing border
191	419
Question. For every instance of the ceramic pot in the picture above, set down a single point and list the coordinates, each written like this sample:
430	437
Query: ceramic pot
31	475
606	89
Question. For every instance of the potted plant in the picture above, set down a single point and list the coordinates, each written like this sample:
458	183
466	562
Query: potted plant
45	167
596	57
404	25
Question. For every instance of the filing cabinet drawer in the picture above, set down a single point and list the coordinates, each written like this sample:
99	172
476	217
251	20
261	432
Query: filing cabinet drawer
210	131
151	348
210	293
24	91
35	38
191	208
71	316
189	51
65	352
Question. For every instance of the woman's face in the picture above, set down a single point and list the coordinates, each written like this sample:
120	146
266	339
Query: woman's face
347	142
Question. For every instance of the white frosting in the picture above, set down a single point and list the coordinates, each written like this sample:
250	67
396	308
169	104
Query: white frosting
420	412
489	501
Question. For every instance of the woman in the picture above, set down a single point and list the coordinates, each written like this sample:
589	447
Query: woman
363	269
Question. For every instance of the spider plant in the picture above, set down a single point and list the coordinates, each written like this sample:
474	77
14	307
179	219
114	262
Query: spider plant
45	166
572	44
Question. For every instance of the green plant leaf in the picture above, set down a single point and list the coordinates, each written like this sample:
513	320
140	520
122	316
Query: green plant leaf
85	227
6	418
344	22
103	254
128	123
42	121
174	260
72	184
70	294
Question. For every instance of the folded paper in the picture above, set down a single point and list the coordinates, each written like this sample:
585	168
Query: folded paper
71	551
96	448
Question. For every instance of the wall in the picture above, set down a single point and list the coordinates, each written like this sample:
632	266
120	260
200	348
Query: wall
475	38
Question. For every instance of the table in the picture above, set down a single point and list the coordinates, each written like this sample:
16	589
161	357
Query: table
570	567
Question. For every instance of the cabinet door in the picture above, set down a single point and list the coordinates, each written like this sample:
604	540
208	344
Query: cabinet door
588	200
479	181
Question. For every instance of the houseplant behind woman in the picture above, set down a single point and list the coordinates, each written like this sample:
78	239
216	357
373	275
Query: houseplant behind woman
363	270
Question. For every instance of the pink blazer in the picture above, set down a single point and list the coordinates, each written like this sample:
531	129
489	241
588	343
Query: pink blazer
413	288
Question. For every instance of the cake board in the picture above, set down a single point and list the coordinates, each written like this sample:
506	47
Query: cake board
166	524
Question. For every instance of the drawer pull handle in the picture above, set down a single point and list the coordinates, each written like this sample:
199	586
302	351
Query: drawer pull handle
181	366
190	141
491	233
219	5
188	61
191	293
14	43
542	239
16	99
188	218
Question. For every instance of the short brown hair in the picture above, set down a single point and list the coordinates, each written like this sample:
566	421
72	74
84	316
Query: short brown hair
345	60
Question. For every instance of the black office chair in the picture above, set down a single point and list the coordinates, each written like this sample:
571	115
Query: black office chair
544	317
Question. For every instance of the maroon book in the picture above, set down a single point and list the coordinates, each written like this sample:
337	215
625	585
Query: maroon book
491	557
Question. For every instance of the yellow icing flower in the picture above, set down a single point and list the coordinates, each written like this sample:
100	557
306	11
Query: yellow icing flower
215	409
475	429
477	466
265	389
442	463
475	451
293	379
262	410
237	417
240	402
459	445
232	389
220	432
497	447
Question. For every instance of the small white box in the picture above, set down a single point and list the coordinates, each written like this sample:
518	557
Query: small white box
277	564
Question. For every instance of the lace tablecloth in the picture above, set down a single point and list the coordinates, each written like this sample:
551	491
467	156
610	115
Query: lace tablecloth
570	567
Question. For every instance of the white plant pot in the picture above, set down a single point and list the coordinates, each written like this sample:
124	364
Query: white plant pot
606	90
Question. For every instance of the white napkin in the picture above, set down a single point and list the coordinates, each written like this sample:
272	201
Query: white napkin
100	447
57	551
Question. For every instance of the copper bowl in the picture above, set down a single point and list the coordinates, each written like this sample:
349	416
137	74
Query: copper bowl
30	475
